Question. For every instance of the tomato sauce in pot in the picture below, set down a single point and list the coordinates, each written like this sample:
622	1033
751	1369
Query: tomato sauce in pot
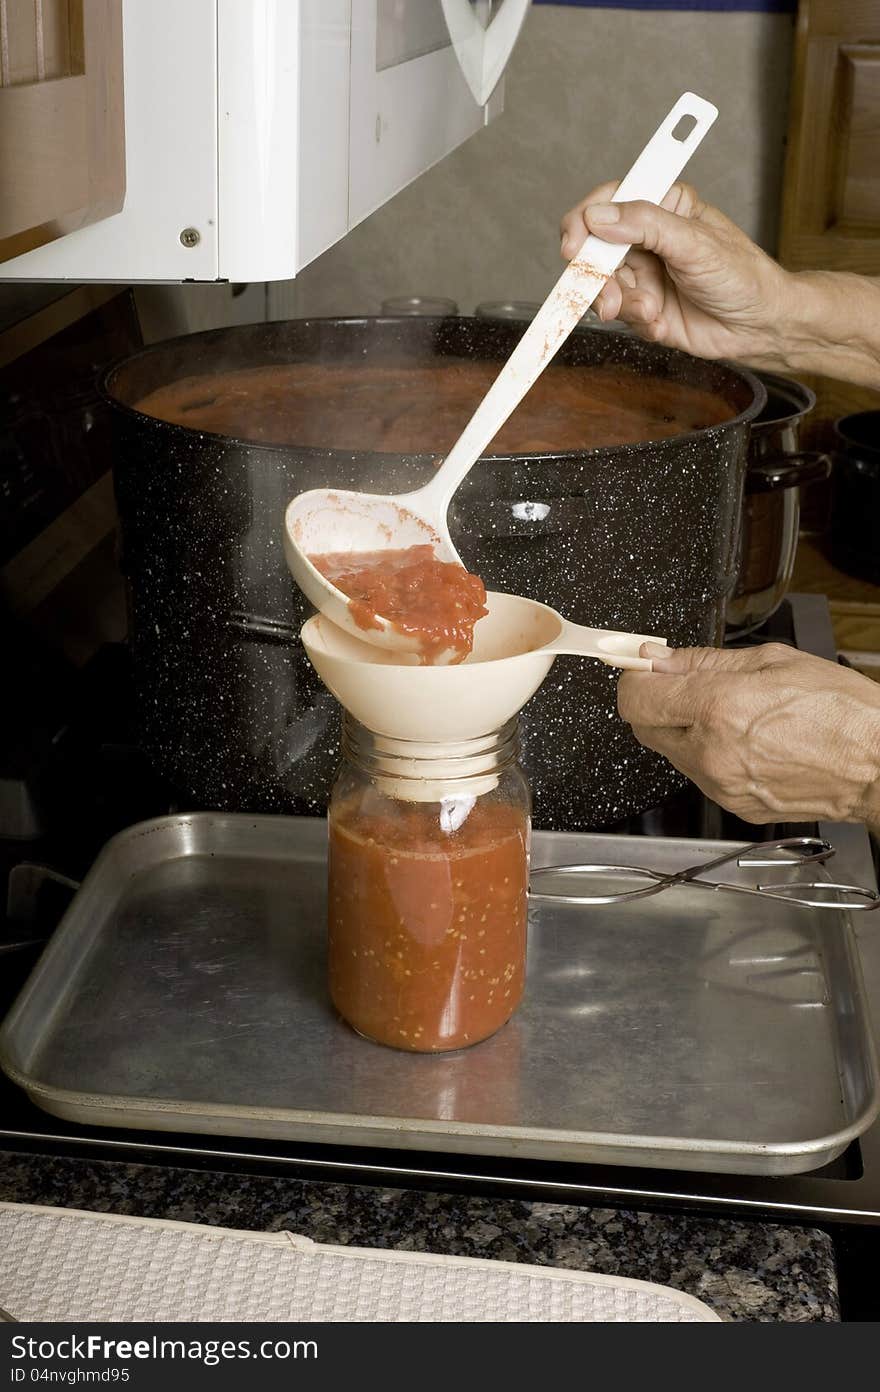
415	408
427	945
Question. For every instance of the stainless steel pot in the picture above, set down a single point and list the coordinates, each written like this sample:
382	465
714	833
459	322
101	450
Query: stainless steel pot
776	472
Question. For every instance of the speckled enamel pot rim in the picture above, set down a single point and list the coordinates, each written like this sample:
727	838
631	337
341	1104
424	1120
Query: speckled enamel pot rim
664	445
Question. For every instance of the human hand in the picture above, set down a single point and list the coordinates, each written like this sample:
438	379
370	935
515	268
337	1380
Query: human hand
770	733
691	280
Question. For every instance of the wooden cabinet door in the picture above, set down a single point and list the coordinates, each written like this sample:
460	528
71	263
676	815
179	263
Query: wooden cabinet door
62	145
831	202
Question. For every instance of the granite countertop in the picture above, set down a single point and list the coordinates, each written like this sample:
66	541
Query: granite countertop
744	1270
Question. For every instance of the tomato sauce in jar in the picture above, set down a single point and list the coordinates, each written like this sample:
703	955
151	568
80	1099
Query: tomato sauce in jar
427	943
436	602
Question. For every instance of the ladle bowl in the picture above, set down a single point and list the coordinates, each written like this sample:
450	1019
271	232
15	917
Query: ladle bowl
515	646
324	521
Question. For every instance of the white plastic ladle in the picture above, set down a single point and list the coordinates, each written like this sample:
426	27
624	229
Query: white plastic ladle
515	646
325	520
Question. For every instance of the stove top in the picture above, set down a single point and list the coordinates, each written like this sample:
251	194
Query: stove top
87	780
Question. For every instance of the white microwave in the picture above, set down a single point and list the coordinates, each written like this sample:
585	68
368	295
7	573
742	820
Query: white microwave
256	133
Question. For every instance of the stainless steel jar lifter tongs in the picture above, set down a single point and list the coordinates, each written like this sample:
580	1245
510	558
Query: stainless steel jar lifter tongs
793	851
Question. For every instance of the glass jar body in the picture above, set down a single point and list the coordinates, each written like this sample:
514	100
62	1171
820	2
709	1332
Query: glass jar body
428	890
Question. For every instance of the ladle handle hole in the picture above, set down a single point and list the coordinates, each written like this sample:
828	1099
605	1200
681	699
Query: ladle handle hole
684	127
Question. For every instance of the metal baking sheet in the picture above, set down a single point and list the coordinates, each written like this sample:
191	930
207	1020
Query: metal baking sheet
185	991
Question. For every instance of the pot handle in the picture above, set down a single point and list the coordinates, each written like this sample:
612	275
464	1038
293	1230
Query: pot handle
792	470
269	630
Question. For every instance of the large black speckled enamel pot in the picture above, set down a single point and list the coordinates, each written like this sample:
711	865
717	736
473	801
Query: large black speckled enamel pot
638	537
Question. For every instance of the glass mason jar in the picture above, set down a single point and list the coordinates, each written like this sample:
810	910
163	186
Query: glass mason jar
428	887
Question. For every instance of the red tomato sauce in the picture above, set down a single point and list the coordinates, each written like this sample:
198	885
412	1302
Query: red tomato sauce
427	944
434	601
402	408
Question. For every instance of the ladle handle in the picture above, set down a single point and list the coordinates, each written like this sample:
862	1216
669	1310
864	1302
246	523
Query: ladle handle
607	644
654	172
650	178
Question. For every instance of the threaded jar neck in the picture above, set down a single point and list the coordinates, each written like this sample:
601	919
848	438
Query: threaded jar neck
422	772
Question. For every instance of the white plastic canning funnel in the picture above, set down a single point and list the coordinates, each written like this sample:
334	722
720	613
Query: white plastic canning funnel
332	520
515	646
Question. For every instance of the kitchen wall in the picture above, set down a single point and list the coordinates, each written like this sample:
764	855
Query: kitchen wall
584	90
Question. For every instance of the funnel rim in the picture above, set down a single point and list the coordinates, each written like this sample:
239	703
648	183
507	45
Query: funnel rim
543	653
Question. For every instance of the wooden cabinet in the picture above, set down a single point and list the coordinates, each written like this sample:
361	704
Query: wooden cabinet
831	198
62	146
856	209
831	221
831	207
831	194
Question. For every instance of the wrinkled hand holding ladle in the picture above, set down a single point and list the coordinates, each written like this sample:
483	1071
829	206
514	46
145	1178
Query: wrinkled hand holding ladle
324	521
